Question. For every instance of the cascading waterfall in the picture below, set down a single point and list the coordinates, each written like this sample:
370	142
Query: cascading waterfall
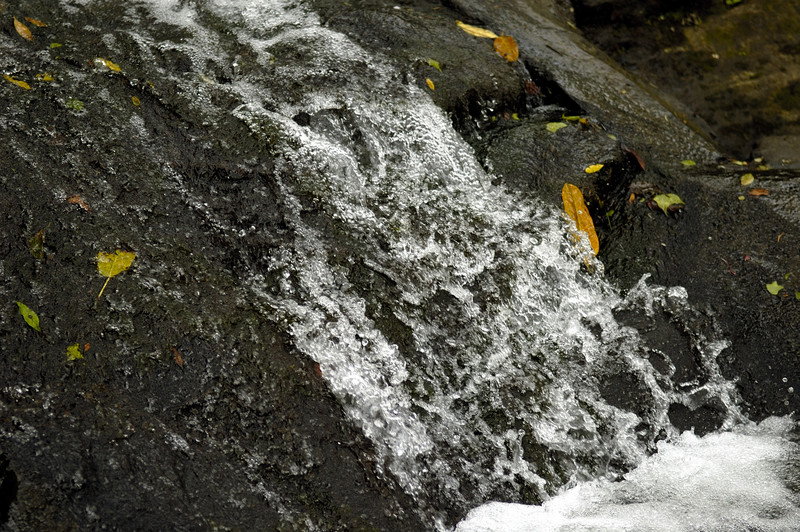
451	317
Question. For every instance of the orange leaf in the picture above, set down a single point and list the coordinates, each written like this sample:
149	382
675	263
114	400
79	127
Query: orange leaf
576	209
77	200
506	46
758	192
23	30
36	22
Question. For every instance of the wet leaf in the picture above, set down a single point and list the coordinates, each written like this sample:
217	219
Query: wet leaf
552	127
688	162
16	82
796	294
136	101
476	31
108	64
506	46
576	209
36	22
44	77
758	192
592	168
23	30
77	200
435	64
635	155
111	264
29	316
176	356
739	163
74	352
773	288
665	201
431	86
36	245
571	118
746	179
55	45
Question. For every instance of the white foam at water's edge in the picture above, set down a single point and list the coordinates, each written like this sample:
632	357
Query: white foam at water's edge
731	481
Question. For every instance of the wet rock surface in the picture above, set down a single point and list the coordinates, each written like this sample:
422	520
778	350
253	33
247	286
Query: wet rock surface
191	407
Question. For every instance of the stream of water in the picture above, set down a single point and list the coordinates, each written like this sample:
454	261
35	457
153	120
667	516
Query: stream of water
453	319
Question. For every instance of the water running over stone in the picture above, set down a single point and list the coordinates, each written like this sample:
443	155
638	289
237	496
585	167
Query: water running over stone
452	318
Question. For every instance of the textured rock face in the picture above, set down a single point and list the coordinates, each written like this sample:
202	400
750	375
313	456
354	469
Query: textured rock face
192	407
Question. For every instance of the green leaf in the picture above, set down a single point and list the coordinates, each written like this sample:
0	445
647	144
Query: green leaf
796	294
29	316
36	245
688	162
572	118
552	127
435	64
55	44
746	179
74	352
667	200
773	288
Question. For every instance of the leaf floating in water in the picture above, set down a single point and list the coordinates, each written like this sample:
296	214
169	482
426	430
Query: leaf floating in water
111	264
23	30
431	86
435	64
758	192
506	46
668	202
592	168
108	64
476	31
774	288
746	179
16	82
688	162
552	127
576	209
29	316
74	352
35	22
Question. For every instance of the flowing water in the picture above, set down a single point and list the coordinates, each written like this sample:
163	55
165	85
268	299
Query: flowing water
452	318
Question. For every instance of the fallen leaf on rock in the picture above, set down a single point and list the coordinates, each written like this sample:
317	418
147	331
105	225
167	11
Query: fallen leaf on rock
435	64
758	192
576	209
176	356
74	352
773	288
36	22
16	82
77	200
23	30
476	31
592	168
136	101
36	245
688	162
506	46
431	86
44	76
552	127
746	179
111	264
571	118
56	45
30	317
108	64
635	155
667	201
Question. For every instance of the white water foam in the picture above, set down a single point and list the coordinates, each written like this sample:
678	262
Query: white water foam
746	479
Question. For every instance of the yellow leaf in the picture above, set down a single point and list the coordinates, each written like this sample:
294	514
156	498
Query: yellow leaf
16	82
431	86
36	22
576	209
592	168
506	46
110	264
74	352
552	127
108	64
746	179
476	31
136	101
23	30
45	77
